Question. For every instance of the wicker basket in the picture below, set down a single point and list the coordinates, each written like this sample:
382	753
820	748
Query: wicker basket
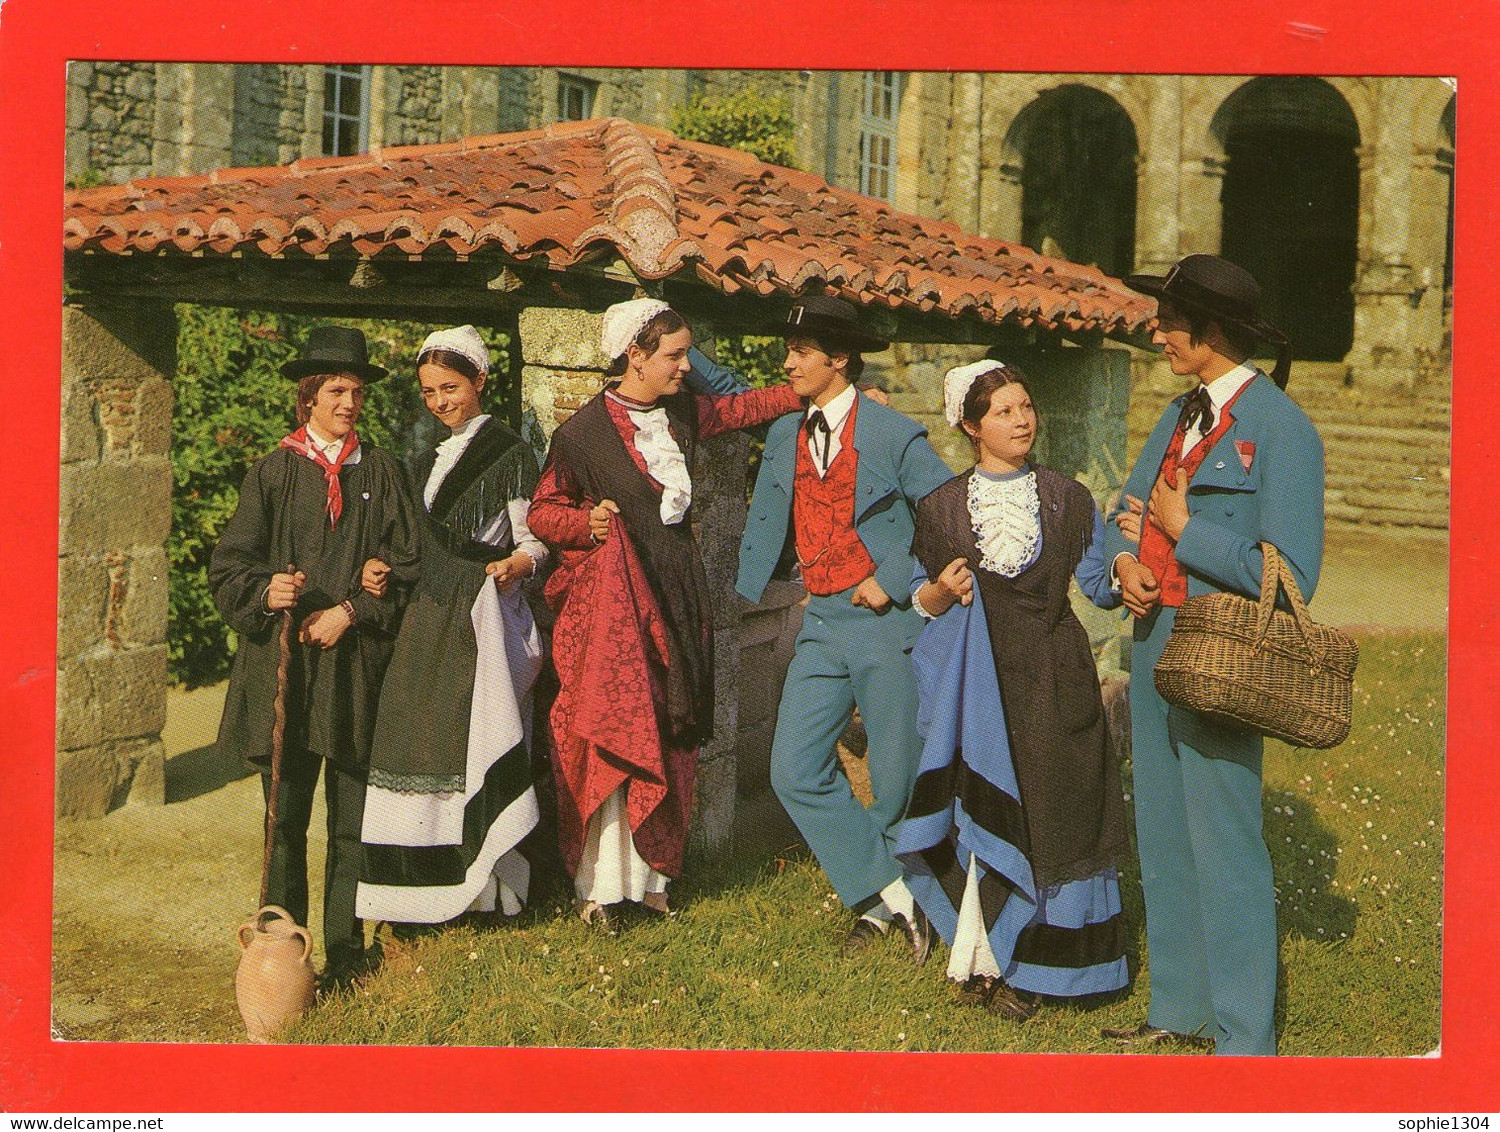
1246	664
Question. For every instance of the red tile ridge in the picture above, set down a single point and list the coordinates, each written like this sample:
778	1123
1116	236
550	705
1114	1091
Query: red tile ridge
390	154
304	166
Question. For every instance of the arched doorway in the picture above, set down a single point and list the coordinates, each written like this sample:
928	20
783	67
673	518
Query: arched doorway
1291	206
1076	148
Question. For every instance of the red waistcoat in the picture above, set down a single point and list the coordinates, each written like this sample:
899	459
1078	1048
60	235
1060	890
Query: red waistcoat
828	547
1158	551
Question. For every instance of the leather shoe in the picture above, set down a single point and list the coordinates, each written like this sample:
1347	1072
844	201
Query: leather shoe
1148	1035
345	974
1008	1002
861	936
918	933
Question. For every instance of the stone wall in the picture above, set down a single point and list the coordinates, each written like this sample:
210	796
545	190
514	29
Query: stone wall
111	120
116	490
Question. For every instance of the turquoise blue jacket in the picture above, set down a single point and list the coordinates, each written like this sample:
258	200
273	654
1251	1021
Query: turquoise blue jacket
1232	508
896	468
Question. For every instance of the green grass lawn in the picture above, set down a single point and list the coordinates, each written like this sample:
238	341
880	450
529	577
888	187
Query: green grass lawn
751	961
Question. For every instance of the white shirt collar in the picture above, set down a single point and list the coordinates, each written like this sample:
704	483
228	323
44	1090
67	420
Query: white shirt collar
330	448
837	410
1221	390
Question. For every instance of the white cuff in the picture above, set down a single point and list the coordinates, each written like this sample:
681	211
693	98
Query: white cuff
920	608
1114	568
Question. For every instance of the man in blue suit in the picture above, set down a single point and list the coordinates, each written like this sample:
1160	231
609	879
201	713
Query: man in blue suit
834	503
1230	465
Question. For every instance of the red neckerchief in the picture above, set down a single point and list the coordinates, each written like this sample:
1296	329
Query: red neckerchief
300	441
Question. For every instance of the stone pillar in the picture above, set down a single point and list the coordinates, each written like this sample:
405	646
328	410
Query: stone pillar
385	105
1159	173
116	511
1432	178
961	191
563	368
194	118
1201	211
999	170
662	91
720	466
1388	287
312	111
471	102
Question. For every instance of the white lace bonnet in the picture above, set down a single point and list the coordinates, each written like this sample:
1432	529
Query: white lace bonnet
957	383
623	321
461	340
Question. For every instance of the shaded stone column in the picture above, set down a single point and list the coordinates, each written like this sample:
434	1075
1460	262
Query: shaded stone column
116	510
562	368
1388	286
1159	172
720	466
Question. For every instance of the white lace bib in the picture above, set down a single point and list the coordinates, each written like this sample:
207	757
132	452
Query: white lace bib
1006	516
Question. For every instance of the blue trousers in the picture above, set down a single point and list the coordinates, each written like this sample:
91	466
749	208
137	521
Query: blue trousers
1205	869
848	656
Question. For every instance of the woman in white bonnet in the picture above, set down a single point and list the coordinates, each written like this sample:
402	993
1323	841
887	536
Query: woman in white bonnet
1017	819
633	644
450	793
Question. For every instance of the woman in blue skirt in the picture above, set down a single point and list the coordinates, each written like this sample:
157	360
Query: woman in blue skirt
1018	818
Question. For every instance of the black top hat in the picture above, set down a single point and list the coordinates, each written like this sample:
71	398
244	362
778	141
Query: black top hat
334	349
1225	292
823	316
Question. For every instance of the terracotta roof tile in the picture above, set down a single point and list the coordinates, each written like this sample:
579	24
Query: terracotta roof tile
575	191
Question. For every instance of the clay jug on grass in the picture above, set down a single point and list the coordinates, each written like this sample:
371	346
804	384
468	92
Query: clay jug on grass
275	980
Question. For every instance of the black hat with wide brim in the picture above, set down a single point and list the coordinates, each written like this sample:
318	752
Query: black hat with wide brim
334	349
824	317
1223	291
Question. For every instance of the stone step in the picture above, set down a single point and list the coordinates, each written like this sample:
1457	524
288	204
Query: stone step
1431	520
1363	434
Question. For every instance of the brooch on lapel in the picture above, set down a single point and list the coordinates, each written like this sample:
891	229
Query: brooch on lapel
1246	449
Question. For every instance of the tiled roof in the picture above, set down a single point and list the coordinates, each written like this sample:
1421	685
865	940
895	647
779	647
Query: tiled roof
581	190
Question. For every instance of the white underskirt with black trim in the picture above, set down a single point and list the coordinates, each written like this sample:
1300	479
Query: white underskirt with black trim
509	656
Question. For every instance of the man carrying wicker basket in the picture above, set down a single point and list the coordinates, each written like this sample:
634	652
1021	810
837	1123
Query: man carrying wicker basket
1230	465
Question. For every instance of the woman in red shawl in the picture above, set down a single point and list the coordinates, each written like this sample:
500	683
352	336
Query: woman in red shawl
633	645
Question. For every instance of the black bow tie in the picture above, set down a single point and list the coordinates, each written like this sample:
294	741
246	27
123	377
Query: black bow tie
817	424
1198	411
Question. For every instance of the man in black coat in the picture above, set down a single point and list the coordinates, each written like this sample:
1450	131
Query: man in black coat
309	516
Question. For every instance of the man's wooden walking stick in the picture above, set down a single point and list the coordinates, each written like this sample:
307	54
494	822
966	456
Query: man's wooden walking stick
275	980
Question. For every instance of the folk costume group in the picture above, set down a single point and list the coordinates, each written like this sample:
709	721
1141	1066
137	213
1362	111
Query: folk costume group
938	607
